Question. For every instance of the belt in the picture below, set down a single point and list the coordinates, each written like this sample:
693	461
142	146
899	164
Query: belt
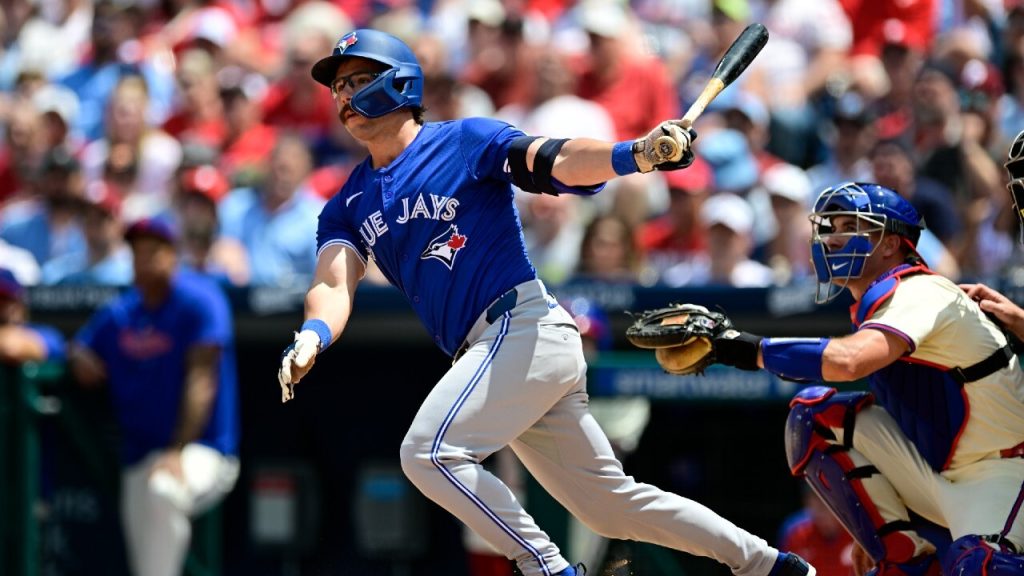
504	303
1015	452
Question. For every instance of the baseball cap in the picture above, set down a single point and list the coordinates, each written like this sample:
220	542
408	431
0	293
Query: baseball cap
9	286
605	18
694	179
788	181
205	180
53	99
728	210
152	228
746	103
733	165
852	107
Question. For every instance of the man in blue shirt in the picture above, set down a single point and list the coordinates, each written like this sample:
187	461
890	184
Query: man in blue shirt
166	350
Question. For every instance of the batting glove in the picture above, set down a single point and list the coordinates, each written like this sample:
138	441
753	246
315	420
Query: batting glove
296	361
649	156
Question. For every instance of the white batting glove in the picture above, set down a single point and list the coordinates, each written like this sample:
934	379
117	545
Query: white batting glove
648	155
296	361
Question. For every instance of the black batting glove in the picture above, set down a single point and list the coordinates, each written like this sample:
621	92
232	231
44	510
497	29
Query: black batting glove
737	349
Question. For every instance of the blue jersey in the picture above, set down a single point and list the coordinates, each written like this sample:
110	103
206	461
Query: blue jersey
145	351
440	223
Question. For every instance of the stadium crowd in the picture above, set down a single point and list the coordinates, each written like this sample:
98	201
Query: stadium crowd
203	113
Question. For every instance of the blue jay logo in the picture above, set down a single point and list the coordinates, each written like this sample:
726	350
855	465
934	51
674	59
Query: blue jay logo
445	246
348	40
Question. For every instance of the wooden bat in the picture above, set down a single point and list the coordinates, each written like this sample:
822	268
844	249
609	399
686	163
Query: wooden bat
735	60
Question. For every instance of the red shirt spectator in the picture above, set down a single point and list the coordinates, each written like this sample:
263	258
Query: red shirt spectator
910	22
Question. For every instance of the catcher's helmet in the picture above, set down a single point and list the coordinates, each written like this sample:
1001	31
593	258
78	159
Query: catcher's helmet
875	208
401	85
1015	168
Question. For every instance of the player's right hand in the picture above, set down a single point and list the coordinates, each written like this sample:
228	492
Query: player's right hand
650	156
296	360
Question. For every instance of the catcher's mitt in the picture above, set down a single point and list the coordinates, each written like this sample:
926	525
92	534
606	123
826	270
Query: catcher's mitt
682	336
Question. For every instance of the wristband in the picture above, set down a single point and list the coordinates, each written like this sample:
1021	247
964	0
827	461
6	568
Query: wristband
622	158
321	329
794	358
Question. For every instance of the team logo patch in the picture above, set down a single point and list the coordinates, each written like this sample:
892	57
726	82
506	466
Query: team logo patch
346	41
445	246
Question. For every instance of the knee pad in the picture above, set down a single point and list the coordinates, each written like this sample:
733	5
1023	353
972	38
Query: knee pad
813	452
814	411
975	555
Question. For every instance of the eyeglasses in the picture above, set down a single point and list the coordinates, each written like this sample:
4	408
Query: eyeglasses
357	81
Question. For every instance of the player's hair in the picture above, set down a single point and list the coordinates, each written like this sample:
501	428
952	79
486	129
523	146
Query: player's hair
418	114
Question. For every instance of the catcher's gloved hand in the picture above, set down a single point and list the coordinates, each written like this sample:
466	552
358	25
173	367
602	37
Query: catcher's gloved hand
688	338
296	361
649	156
682	336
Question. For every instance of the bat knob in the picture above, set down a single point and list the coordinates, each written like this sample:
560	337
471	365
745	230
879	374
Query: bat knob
668	149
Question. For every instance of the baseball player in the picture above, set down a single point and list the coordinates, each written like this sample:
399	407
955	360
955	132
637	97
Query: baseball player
166	350
939	440
433	207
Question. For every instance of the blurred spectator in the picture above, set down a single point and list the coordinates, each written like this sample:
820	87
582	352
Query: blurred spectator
729	220
22	149
445	96
249	140
808	46
165	349
747	114
199	116
909	22
106	260
58	108
733	165
296	102
1011	104
937	129
893	166
608	251
815	534
851	136
44	37
115	52
273	221
894	109
553	230
21	341
203	249
788	253
500	61
137	159
46	223
634	88
676	241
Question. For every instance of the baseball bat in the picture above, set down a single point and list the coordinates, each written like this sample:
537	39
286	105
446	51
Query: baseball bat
740	54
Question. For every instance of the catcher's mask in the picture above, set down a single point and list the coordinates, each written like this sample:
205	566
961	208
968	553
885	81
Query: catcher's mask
399	86
838	255
1015	168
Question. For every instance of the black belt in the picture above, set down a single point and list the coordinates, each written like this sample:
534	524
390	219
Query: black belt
997	361
504	303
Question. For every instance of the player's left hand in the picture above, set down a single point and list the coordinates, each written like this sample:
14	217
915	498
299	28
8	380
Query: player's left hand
649	156
296	361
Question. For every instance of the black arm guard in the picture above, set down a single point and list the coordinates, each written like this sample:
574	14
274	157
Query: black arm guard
539	180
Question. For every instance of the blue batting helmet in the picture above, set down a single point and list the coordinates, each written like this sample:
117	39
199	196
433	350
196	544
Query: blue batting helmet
875	208
399	86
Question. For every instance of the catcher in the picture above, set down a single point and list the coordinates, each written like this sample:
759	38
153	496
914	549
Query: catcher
926	471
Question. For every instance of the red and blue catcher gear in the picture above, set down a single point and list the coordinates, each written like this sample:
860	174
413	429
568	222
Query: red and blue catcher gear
877	209
400	86
829	468
988	556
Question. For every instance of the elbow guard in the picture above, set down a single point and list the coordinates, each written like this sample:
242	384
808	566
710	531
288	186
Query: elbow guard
539	179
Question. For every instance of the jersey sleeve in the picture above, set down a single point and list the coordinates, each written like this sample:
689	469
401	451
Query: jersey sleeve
333	228
211	316
53	340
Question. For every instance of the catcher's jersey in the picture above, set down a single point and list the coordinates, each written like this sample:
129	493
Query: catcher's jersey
945	328
440	223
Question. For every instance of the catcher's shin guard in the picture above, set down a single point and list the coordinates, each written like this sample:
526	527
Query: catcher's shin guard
991	556
848	484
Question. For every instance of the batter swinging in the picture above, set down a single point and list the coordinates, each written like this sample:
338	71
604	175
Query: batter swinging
433	207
